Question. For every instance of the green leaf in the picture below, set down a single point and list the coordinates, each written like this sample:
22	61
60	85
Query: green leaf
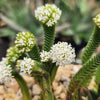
7	32
77	39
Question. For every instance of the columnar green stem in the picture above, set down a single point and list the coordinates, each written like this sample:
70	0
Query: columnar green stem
92	45
23	85
97	75
46	93
49	35
51	68
34	53
53	73
85	73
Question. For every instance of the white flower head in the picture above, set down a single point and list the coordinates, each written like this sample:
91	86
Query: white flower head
13	54
45	56
5	71
26	65
48	14
25	41
97	20
62	53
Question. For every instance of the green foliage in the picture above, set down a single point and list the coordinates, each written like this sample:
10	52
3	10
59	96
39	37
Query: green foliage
7	32
89	94
79	16
97	76
20	13
22	85
34	53
92	45
49	36
85	73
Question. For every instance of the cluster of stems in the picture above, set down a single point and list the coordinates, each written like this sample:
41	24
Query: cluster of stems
44	72
90	64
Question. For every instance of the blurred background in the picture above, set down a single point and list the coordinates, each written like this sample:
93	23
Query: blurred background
75	25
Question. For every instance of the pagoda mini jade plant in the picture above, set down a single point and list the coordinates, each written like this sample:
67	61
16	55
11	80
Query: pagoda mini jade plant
42	65
26	56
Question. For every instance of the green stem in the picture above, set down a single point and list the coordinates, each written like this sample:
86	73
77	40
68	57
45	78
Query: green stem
34	53
23	85
46	93
85	73
53	73
51	68
97	75
92	45
49	36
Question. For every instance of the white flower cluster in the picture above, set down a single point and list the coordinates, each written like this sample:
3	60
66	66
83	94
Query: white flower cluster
48	14
25	41
13	54
26	65
97	20
62	54
5	71
45	56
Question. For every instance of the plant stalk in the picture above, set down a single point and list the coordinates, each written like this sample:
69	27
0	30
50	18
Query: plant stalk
23	85
49	36
82	77
92	45
34	53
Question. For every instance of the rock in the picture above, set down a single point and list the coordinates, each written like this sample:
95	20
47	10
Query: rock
36	97
58	90
10	90
29	80
18	98
2	90
1	97
55	85
63	96
36	90
19	95
65	80
9	96
13	85
58	77
75	69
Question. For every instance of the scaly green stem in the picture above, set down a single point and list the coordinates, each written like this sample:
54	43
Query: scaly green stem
23	85
46	93
53	73
84	74
92	45
34	53
97	75
49	36
51	68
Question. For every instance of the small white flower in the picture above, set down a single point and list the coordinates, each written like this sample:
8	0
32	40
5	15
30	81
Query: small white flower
45	56
97	20
48	14
62	53
25	41
5	71
26	65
